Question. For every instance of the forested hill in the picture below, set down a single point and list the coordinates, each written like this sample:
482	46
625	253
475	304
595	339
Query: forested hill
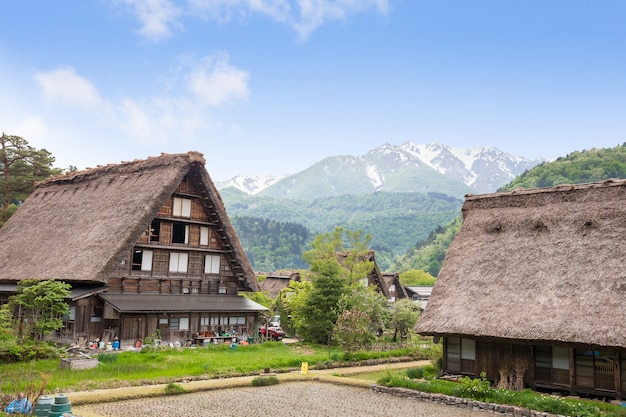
576	168
268	227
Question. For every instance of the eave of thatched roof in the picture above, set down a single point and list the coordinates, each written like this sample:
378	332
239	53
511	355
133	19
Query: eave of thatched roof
542	266
78	226
168	303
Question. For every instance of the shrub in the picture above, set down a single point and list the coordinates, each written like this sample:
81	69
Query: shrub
475	388
262	381
174	389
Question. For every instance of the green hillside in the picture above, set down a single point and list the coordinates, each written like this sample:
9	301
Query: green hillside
395	220
576	168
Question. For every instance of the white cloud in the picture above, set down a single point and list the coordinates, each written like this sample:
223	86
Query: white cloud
197	87
303	16
158	18
216	82
65	86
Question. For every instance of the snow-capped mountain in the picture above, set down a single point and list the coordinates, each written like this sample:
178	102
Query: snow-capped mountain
247	183
405	168
484	169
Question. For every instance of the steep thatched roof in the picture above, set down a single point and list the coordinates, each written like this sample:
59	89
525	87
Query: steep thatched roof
78	226
546	265
274	283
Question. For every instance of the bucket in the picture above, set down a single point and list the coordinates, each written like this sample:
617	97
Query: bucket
101	345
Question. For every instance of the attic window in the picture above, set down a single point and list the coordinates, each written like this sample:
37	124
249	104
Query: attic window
181	207
211	264
142	260
178	261
180	233
204	236
155	229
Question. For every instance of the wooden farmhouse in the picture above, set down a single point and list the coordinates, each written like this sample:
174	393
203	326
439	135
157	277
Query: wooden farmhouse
146	245
396	290
533	290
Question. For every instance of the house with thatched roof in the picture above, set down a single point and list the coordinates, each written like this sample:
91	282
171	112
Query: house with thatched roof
273	283
146	245
533	290
396	289
374	278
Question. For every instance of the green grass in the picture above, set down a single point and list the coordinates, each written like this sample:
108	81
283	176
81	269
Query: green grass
163	366
475	389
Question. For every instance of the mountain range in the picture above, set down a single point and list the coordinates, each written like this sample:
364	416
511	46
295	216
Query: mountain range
408	167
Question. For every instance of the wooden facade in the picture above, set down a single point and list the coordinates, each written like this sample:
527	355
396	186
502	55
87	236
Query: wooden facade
159	255
572	370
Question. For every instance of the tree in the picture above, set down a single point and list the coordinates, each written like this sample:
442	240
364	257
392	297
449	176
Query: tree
330	279
417	277
21	166
39	306
352	330
403	317
369	300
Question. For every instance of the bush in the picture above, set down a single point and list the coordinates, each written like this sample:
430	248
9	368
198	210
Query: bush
174	389
475	388
29	351
262	381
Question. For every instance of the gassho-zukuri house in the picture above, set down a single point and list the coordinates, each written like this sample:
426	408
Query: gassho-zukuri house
535	283
147	247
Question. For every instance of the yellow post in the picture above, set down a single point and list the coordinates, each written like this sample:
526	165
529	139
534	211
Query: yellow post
305	368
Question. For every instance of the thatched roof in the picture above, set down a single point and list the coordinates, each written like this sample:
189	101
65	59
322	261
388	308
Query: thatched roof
393	278
79	226
545	265
274	283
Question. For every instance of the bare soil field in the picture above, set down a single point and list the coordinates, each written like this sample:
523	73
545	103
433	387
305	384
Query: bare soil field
291	399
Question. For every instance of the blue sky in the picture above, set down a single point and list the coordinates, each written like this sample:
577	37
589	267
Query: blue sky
272	86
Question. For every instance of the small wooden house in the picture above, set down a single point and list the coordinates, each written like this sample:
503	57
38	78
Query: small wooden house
533	289
146	245
396	290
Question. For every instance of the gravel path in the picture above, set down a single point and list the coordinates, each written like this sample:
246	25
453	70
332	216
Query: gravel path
292	399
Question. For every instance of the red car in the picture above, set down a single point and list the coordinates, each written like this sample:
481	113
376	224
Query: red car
272	332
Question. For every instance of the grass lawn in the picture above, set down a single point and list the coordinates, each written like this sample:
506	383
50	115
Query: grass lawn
162	366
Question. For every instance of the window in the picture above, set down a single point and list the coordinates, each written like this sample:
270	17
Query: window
155	229
204	321
211	264
142	260
460	354
214	320
223	321
179	323
181	207
204	236
178	261
180	233
237	320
